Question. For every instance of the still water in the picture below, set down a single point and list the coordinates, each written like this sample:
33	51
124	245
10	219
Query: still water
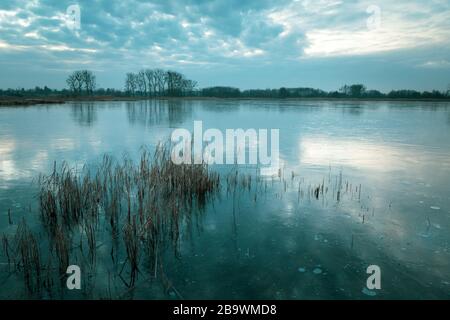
284	244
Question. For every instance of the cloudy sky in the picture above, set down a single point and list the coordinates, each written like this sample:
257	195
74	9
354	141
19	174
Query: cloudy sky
248	44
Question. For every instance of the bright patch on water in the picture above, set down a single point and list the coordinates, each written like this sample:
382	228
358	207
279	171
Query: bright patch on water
317	271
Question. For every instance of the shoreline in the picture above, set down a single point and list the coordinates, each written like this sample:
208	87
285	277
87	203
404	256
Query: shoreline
22	101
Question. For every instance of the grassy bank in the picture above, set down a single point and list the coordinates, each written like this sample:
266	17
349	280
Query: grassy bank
27	101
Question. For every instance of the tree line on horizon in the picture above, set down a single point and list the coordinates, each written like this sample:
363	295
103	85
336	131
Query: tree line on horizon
158	82
168	83
346	91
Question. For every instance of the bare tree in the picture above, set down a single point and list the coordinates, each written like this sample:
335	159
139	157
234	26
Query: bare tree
189	86
89	81
151	81
175	82
141	83
71	82
81	81
130	83
161	79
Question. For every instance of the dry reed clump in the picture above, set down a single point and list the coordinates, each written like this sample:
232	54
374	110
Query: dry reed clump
147	203
66	199
131	240
28	257
62	246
